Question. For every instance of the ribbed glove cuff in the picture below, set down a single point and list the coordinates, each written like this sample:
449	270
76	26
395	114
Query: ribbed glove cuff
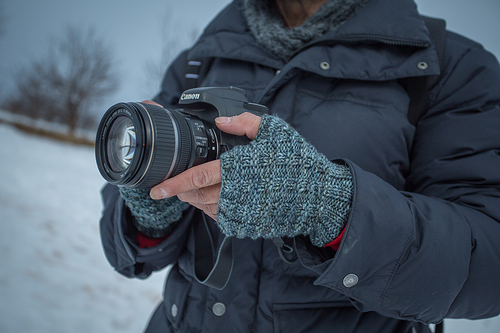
154	218
280	185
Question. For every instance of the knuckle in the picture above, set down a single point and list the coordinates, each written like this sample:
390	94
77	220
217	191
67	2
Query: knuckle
194	197
199	196
201	178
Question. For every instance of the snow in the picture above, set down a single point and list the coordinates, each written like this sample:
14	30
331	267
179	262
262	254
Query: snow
54	275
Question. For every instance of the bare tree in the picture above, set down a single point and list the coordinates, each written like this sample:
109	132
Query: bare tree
77	74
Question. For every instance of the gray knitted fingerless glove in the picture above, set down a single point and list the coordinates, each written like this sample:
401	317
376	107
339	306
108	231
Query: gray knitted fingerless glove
154	218
280	185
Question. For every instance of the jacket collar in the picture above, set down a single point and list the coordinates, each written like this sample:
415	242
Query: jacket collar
389	20
386	30
228	36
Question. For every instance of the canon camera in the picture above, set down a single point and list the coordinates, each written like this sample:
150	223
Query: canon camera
139	145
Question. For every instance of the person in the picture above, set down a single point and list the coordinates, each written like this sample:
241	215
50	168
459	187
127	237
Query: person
389	226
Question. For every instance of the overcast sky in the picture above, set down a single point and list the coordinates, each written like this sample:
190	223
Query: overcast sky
134	28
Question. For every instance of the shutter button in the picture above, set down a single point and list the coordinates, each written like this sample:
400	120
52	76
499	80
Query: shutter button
219	309
350	280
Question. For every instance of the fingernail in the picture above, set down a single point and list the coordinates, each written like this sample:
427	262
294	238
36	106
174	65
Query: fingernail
158	193
223	120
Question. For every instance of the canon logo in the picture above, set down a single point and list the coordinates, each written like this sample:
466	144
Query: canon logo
190	96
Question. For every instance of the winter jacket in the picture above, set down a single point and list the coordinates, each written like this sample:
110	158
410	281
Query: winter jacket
422	240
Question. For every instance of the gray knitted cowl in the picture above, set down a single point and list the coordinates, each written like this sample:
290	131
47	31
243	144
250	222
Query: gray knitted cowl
268	27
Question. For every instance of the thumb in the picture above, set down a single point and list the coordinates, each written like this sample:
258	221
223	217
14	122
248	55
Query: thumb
243	124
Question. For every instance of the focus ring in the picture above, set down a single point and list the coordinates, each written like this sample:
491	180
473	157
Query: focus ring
163	143
185	144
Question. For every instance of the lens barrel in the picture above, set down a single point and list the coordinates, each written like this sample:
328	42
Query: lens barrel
139	145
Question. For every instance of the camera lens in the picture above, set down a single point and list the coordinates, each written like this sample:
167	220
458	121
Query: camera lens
139	145
121	144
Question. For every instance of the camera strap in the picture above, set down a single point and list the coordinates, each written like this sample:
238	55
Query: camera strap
211	268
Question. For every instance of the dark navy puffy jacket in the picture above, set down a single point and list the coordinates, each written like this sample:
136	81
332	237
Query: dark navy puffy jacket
422	242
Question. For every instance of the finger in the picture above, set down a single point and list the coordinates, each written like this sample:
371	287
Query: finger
210	210
207	195
200	176
243	124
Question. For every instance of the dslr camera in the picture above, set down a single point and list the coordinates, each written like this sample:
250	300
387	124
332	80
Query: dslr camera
139	145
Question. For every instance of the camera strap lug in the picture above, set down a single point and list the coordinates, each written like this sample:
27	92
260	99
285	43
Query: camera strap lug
284	250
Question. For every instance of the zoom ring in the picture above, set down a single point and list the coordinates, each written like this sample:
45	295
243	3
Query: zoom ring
163	150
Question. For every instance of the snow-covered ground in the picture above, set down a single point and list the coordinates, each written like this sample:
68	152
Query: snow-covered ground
54	277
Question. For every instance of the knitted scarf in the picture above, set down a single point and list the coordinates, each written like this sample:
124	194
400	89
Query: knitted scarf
268	27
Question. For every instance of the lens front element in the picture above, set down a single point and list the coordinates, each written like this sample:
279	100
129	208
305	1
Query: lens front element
121	144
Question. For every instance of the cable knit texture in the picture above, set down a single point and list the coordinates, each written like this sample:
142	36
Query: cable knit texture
268	27
154	218
280	185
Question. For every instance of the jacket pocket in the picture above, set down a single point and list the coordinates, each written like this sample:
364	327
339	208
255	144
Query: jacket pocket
336	317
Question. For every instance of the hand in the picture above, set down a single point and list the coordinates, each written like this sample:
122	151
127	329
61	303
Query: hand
279	185
200	185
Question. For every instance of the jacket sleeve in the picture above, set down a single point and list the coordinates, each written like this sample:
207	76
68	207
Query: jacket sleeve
120	247
117	230
433	251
